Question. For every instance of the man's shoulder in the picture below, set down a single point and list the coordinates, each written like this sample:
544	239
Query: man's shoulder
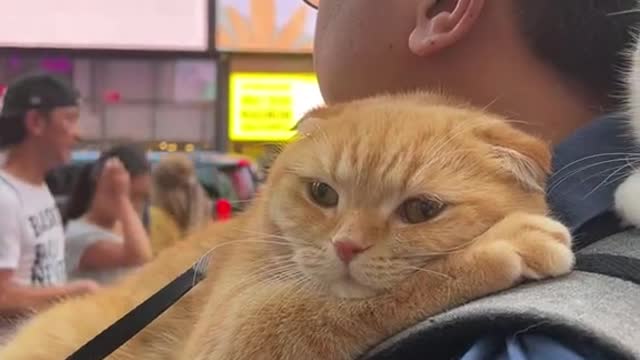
9	195
10	207
26	194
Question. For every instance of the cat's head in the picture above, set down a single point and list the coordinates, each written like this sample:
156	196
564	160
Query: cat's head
375	189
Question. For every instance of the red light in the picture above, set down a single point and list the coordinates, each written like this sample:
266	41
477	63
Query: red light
223	209
243	163
111	96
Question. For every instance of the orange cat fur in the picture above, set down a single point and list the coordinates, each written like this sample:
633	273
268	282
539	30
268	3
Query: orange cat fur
430	203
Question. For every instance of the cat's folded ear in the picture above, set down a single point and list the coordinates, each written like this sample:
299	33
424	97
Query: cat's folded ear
523	156
312	120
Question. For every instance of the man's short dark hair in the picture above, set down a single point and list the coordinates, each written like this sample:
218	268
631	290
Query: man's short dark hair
587	41
38	91
14	130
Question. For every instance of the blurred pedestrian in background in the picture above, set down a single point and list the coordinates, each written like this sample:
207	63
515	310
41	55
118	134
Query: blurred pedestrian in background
38	128
180	204
105	233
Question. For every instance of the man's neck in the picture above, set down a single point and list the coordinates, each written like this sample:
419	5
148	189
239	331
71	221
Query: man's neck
25	165
516	84
553	117
535	99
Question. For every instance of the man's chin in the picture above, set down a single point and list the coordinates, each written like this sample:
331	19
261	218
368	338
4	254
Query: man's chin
58	159
67	156
349	289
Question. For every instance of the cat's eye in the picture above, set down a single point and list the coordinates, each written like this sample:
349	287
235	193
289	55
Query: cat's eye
323	194
415	211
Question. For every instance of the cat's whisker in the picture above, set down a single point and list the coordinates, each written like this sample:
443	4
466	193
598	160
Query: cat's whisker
616	179
276	277
272	236
257	281
629	164
521	122
417	251
424	256
554	185
235	241
275	263
611	176
234	202
623	12
491	103
626	169
283	293
282	271
604	162
262	235
432	272
630	155
619	156
267	272
201	268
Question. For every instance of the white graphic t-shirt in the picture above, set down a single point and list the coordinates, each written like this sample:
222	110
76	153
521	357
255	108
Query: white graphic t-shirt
31	233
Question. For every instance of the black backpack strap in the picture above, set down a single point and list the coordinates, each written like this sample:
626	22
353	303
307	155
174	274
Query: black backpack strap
621	267
137	319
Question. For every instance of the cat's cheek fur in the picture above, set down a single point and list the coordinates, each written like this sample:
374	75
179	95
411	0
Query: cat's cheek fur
313	263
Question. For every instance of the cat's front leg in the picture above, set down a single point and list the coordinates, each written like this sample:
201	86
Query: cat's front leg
519	247
526	246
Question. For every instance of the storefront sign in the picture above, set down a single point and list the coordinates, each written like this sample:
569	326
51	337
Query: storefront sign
266	106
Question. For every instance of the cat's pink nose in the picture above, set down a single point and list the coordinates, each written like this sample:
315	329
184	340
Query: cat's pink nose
347	250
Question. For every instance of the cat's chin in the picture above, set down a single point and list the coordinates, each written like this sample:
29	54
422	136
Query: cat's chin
349	289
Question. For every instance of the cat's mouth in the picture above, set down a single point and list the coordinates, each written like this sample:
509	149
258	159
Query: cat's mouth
334	277
348	288
346	285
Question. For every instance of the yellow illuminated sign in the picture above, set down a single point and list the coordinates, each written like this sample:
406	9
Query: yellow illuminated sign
266	106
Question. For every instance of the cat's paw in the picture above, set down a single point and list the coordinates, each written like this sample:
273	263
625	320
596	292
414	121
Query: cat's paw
531	246
626	200
546	251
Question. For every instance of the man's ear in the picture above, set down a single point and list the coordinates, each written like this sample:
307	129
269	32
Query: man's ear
525	157
442	23
34	122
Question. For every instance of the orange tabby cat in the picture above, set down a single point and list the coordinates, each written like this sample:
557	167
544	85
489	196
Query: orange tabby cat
387	210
